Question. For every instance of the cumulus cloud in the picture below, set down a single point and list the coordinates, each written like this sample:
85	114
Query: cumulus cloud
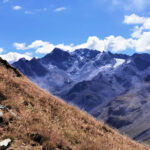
141	33
20	46
110	43
42	47
117	44
143	43
139	40
60	9
134	19
14	56
17	7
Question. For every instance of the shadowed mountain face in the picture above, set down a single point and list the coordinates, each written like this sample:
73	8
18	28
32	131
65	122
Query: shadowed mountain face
129	112
94	81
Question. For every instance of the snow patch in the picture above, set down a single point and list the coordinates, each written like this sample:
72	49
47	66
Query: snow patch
97	71
128	61
5	143
118	62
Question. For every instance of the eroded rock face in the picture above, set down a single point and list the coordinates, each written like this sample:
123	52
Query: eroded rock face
5	144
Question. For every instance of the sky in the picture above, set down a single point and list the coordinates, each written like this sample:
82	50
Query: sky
33	28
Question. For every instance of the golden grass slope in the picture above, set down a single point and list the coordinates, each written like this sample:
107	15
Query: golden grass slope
36	120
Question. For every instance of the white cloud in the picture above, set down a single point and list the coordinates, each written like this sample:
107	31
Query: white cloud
42	46
119	43
137	32
17	7
134	19
20	46
93	42
139	40
110	43
142	24
1	50
141	33
13	56
38	43
60	9
143	43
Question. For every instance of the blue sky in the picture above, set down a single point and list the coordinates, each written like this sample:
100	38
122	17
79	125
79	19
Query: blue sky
32	28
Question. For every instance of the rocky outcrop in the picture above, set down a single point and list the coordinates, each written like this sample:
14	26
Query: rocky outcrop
8	66
5	144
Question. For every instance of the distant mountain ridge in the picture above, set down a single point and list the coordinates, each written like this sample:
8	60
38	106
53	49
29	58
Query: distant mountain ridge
93	80
70	66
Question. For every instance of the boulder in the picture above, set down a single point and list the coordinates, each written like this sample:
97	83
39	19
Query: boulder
1	113
5	144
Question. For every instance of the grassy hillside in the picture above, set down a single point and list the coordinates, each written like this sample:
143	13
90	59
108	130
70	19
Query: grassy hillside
36	120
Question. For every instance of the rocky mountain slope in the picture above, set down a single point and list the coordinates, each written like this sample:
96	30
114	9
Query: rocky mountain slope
129	112
94	81
60	72
30	118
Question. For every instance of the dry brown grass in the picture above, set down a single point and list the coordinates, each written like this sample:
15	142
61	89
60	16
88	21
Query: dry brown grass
42	121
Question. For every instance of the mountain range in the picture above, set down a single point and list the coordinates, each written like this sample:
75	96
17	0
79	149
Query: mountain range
112	87
33	119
